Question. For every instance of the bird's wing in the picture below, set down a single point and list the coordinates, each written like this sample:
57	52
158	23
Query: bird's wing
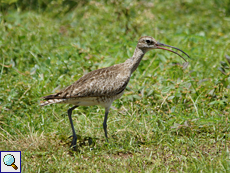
108	81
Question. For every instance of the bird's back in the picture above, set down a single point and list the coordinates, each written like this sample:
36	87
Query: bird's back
94	87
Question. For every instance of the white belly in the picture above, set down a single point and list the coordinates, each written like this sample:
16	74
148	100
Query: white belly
90	101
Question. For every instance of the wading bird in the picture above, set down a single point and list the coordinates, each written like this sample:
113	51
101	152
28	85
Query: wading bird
103	86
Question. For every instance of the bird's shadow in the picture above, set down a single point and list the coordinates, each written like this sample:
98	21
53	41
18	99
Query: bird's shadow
90	143
82	142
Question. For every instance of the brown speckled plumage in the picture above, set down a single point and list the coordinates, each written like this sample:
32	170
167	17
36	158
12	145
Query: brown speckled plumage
103	86
106	82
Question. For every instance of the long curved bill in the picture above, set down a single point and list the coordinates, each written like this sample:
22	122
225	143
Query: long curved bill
161	44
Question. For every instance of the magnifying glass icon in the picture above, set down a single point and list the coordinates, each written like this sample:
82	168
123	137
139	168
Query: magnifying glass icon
9	160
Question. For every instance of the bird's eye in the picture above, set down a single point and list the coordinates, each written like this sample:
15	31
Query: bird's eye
148	41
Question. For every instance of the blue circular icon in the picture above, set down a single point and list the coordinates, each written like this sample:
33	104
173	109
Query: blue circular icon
8	159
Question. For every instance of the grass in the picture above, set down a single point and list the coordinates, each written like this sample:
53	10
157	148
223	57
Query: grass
170	119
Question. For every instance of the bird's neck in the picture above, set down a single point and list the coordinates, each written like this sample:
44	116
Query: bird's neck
134	61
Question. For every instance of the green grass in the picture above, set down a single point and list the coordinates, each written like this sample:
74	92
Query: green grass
170	119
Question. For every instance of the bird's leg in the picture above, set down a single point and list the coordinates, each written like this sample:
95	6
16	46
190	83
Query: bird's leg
71	122
105	123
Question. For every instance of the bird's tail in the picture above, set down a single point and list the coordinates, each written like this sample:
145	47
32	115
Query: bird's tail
51	101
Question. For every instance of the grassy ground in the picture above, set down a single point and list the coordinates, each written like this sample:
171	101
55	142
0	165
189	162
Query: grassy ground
170	119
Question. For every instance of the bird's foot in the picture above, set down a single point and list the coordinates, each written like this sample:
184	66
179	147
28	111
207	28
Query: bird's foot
74	142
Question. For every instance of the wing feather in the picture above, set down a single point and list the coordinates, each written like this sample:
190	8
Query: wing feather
108	81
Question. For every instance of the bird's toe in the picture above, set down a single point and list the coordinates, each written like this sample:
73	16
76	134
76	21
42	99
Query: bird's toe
74	142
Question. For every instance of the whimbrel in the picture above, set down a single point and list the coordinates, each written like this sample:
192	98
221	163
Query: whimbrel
103	86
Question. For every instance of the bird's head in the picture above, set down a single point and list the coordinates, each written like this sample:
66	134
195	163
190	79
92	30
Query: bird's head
147	43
